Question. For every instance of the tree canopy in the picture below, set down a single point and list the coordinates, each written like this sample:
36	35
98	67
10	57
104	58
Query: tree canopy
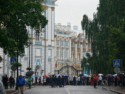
106	32
15	16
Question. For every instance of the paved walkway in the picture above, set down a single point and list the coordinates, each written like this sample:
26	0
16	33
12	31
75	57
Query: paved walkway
68	90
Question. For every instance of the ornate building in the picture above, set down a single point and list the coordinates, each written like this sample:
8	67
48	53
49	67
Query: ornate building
40	54
69	50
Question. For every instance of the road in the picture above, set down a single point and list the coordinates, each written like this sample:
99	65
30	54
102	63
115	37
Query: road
67	90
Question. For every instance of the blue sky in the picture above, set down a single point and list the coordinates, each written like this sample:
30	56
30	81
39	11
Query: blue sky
73	10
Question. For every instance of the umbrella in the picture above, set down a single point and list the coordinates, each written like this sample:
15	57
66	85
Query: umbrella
29	73
86	75
115	75
100	74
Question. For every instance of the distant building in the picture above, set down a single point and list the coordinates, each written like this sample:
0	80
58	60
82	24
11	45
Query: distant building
69	50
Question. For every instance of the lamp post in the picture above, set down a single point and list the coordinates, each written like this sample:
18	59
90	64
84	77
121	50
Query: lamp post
45	53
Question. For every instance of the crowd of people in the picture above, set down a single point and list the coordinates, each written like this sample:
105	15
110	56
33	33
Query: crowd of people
95	79
8	82
62	80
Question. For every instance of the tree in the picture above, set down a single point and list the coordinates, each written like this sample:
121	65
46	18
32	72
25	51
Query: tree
106	34
15	16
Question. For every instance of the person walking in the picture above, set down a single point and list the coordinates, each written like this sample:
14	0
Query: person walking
21	83
11	82
95	80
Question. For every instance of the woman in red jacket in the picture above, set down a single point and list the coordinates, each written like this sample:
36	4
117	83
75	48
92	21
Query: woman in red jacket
95	79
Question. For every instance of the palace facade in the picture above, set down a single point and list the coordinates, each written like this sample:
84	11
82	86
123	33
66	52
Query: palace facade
69	50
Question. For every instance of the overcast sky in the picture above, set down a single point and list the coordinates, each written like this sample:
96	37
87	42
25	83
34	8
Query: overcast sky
73	10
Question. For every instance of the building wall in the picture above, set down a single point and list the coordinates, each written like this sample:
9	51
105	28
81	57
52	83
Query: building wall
42	50
69	49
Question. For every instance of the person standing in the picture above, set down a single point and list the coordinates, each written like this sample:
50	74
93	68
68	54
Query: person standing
39	80
74	80
95	79
29	80
21	83
11	82
5	81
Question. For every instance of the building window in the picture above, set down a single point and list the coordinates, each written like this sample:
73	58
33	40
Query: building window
38	61
61	54
65	55
57	53
67	44
50	53
38	52
57	42
61	43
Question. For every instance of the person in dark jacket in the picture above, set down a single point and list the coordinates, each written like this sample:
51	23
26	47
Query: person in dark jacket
11	82
5	81
74	80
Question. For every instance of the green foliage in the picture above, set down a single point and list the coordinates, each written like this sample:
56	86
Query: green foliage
15	65
106	32
15	16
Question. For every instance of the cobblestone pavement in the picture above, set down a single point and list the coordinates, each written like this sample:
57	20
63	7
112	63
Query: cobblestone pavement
67	90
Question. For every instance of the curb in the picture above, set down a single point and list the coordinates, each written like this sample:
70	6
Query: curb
118	92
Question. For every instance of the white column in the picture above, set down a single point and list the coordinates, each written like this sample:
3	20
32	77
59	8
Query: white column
70	49
53	22
59	54
81	52
75	50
